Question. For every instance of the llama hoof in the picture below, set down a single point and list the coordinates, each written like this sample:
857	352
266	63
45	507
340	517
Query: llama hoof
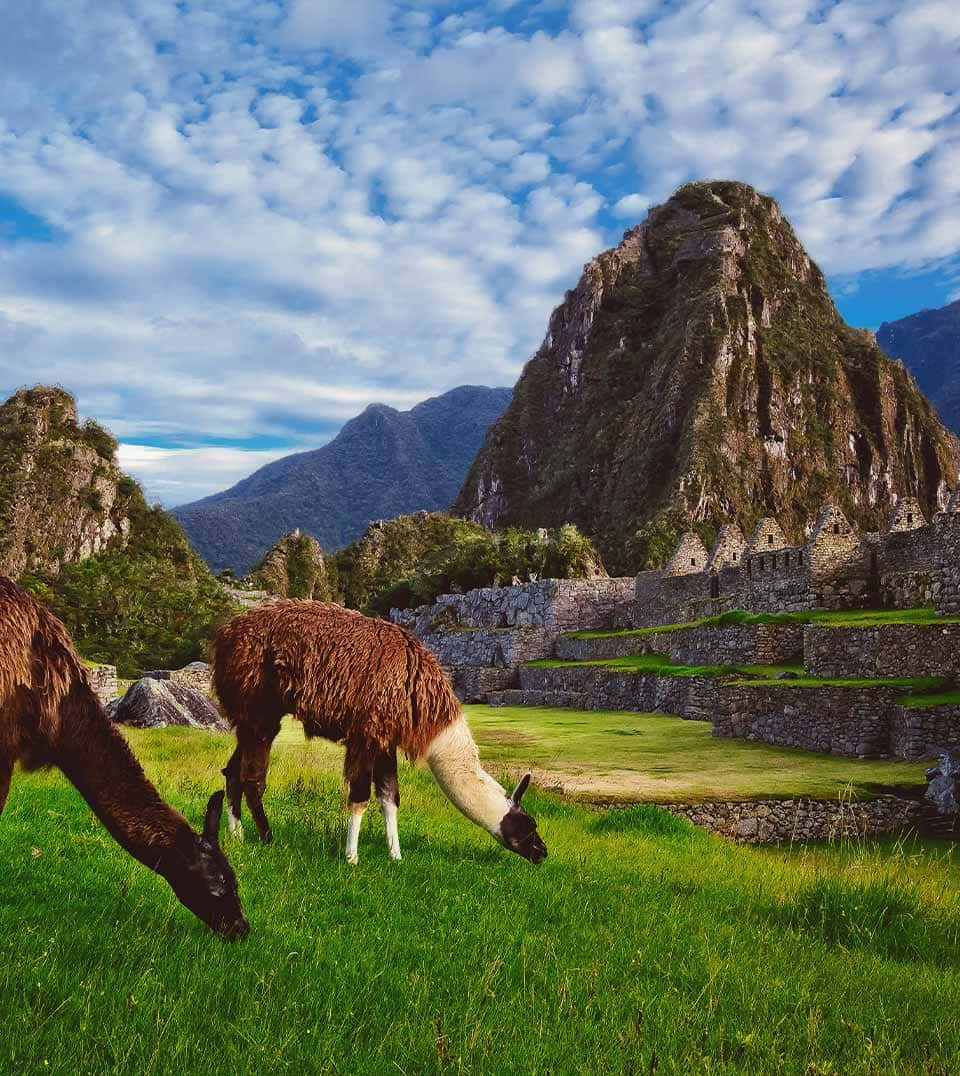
396	857
353	860
235	826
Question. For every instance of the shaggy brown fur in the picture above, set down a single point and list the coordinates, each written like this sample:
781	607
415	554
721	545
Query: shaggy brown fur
368	683
51	716
344	675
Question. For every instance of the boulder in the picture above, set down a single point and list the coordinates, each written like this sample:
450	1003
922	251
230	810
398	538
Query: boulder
943	780
157	704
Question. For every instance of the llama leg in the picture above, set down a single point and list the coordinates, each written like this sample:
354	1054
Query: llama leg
357	800
234	794
6	772
255	759
388	796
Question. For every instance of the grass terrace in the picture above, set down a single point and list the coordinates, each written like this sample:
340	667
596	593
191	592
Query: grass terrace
616	756
858	618
640	945
659	665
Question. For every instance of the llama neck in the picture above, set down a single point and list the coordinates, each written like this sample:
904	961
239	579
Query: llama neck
96	759
455	762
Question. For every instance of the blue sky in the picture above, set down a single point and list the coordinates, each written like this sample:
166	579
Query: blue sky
229	225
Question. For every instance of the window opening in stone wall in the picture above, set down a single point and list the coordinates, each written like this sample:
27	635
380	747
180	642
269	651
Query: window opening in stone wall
836	528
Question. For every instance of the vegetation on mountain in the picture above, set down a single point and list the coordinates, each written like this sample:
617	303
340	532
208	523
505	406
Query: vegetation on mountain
928	342
410	560
382	463
78	533
296	567
700	373
150	605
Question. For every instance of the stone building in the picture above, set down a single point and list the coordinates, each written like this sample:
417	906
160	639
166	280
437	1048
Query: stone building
689	557
728	550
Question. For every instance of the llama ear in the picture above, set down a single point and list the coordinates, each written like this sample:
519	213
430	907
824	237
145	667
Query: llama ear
211	823
518	792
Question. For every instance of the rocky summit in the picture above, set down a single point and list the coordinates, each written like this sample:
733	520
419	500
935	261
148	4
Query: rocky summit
62	496
929	344
700	373
383	463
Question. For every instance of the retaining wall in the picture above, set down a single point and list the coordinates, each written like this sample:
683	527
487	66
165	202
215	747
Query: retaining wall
197	675
690	697
885	651
800	819
852	721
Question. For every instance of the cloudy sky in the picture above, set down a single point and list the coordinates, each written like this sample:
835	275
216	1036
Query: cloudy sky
229	225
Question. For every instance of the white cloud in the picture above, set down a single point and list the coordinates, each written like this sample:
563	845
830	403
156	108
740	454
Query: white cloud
179	475
632	207
267	216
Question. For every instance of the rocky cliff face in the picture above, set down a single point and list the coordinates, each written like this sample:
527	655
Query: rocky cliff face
62	496
698	373
383	463
929	344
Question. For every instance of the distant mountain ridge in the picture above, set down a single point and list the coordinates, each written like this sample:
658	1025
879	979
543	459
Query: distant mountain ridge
383	463
928	342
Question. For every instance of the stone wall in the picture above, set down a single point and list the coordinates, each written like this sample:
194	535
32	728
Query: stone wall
693	698
886	651
558	604
801	819
103	679
851	721
923	732
498	647
737	644
473	683
197	675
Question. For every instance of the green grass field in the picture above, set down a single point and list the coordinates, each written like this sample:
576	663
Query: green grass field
614	756
640	945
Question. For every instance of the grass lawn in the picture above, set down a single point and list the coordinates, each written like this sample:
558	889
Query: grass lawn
617	757
640	945
858	618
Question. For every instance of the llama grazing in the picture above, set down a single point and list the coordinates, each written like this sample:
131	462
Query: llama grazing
365	682
50	716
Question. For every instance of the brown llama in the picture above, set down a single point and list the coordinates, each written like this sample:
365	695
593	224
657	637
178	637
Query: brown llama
51	716
369	684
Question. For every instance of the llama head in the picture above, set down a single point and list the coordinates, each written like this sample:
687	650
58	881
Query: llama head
518	831
203	880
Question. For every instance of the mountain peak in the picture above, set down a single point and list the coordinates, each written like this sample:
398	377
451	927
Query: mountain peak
699	372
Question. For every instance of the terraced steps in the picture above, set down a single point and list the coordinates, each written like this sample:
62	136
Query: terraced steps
604	647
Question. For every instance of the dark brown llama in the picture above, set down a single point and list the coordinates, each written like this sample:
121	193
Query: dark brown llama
51	716
369	684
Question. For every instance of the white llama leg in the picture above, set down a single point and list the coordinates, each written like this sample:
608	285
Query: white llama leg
389	809
353	831
236	826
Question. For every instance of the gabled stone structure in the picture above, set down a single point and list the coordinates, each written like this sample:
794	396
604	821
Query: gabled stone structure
767	537
906	515
689	557
728	550
834	549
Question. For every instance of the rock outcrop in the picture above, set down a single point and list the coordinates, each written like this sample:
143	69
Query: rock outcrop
700	373
295	568
62	496
158	704
929	343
